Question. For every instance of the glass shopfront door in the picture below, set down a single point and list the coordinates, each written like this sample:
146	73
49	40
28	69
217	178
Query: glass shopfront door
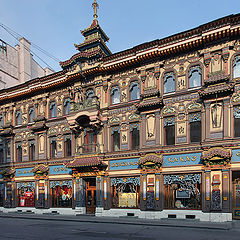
90	195
236	195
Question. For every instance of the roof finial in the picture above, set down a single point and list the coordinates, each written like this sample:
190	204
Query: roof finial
95	6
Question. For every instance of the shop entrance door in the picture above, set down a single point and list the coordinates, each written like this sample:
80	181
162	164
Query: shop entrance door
90	195
236	199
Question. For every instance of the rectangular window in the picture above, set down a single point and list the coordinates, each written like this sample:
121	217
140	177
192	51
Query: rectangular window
195	127
25	194
1	154
1	121
8	150
182	191
53	148
236	113
68	147
66	106
31	151
31	114
134	129
53	110
169	129
18	118
19	153
116	139
90	142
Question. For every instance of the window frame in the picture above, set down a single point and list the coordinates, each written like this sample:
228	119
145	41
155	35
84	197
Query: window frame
114	89
132	85
18	147
236	60
30	111
193	118
32	151
18	118
114	130
53	104
53	154
135	126
66	146
66	106
192	69
167	76
169	122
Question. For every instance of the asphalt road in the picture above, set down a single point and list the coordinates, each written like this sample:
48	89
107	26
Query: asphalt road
31	229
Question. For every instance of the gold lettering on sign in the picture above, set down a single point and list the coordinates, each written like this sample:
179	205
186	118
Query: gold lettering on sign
182	159
124	164
238	154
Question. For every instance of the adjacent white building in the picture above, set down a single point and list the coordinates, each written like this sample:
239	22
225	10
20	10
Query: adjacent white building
17	64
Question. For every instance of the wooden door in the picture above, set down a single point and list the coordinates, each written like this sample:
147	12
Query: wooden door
90	198
236	199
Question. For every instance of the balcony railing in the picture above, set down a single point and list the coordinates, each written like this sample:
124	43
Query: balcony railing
88	149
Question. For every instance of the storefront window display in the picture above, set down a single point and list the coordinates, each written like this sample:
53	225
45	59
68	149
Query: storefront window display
26	193
61	192
182	191
125	192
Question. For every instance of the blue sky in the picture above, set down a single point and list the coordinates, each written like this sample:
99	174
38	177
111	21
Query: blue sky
55	25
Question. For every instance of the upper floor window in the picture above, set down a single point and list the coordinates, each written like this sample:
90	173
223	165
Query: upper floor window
53	148
68	146
236	67
195	77
115	95
134	130
169	130
32	151
8	150
18	118
195	127
115	139
31	114
169	82
53	110
90	141
66	106
1	154
90	94
1	120
134	91
19	152
236	113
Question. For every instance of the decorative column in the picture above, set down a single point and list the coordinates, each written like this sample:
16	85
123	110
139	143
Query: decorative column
157	128
207	121
226	190
226	112
106	185
99	202
143	132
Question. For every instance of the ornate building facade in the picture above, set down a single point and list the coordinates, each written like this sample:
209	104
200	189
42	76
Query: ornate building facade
152	131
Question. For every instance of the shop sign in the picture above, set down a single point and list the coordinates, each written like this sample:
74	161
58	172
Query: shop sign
59	169
236	155
182	159
123	164
24	172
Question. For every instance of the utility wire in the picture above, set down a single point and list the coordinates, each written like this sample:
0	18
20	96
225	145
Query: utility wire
17	36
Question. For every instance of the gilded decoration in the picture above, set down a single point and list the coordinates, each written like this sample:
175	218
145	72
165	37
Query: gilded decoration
133	117
114	120
216	156
41	170
168	110
236	98
150	161
194	105
8	172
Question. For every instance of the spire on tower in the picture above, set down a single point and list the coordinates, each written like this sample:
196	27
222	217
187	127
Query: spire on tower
95	7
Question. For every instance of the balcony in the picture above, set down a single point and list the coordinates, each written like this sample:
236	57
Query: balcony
88	149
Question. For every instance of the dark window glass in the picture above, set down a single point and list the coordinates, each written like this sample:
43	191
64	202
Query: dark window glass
135	138
116	141
134	91
19	153
169	83
170	134
1	154
53	110
31	114
53	149
32	151
68	147
236	67
67	106
18	118
90	94
195	77
195	131
1	120
236	127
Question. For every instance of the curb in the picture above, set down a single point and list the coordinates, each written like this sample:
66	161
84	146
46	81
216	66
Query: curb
156	224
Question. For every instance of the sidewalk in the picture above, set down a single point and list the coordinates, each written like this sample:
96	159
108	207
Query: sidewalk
125	220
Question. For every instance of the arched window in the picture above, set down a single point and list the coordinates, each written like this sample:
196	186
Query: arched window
134	91
18	118
195	77
115	95
90	94
169	82
66	106
236	67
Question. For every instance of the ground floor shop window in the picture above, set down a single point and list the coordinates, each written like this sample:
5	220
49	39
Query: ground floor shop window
125	192
1	194
26	193
61	193
182	191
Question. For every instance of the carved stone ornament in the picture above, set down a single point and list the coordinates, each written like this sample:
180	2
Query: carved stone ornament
194	105
150	161
169	110
41	170
133	117
8	172
236	98
114	120
216	156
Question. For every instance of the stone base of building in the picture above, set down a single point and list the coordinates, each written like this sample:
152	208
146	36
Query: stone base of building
178	214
